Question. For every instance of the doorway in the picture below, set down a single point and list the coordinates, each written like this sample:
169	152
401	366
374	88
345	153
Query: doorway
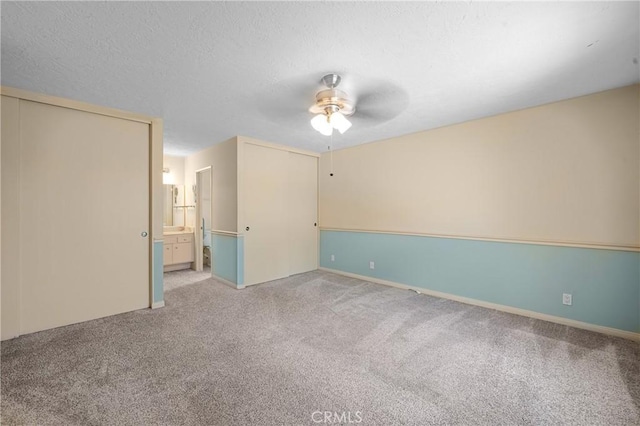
203	218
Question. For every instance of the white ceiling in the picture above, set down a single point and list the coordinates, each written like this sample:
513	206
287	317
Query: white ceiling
216	70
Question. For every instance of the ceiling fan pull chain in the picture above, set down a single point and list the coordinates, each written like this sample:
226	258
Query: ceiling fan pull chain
331	157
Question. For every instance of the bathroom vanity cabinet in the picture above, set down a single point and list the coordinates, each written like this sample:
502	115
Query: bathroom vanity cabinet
178	251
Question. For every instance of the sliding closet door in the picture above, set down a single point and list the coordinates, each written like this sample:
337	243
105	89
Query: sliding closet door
302	212
84	213
266	242
10	217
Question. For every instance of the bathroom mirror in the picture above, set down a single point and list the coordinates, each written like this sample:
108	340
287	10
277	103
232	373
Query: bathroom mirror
176	205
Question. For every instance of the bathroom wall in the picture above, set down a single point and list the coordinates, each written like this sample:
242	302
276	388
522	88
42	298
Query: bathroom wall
222	158
206	206
226	244
176	170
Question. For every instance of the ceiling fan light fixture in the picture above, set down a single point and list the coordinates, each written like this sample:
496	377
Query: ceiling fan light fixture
339	122
321	123
332	107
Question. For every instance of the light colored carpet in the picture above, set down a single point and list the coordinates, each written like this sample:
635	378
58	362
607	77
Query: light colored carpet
175	279
279	352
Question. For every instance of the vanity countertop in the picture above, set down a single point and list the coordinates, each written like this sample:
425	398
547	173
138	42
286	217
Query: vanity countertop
177	230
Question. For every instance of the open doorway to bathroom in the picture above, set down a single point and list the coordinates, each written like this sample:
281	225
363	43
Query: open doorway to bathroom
203	219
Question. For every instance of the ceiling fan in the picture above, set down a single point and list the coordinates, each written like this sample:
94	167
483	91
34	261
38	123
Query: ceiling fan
332	107
364	101
377	100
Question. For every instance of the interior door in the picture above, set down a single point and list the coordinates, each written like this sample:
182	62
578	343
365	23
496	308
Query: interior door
84	216
266	241
302	212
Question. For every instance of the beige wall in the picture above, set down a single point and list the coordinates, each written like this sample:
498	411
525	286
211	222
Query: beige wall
562	172
223	159
176	169
157	193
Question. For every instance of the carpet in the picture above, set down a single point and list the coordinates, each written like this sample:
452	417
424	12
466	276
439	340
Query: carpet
318	348
175	279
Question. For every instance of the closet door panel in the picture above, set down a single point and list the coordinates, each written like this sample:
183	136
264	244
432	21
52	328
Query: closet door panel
10	272
266	243
84	204
303	213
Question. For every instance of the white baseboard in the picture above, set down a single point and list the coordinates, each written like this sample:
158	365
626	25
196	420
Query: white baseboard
156	305
176	267
227	282
503	308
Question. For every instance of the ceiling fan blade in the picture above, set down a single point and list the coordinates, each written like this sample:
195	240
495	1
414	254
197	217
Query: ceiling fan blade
381	104
377	100
286	100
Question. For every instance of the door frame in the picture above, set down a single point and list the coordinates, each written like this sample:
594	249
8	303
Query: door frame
199	231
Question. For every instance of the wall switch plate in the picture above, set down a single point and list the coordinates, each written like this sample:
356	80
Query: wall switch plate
566	299
333	257
372	265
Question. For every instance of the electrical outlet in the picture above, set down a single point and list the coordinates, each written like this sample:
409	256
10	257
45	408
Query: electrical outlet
372	265
333	257
566	299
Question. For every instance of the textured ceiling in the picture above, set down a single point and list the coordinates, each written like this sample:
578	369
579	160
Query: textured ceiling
215	70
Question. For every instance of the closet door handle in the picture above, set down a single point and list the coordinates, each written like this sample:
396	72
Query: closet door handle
315	224
247	228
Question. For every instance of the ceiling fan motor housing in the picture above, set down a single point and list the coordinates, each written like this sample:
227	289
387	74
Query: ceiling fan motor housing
331	80
332	100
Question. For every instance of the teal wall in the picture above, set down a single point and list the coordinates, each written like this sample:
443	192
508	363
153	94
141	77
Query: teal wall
240	262
157	269
227	257
605	284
